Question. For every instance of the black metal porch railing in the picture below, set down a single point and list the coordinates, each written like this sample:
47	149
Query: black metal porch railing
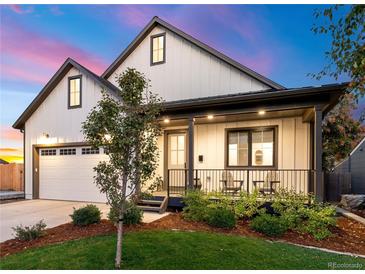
233	181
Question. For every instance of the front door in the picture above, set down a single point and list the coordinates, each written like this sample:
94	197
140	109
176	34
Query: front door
177	161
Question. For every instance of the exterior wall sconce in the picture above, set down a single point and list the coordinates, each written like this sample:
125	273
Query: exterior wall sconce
45	135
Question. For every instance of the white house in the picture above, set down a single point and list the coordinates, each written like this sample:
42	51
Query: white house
225	127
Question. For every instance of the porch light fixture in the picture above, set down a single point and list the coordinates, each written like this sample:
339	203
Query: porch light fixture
262	112
210	117
166	121
45	135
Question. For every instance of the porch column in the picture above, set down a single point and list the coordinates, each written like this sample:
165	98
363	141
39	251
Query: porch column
319	185
191	153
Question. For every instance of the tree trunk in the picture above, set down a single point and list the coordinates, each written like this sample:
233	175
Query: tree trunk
118	256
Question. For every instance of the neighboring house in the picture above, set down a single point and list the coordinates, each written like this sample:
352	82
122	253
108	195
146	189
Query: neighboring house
355	164
225	127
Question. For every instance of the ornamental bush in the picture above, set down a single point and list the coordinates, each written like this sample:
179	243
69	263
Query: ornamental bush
270	225
196	206
317	220
290	206
132	215
249	205
221	217
83	216
28	233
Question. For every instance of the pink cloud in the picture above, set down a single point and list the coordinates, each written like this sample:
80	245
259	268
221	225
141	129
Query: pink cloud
42	52
245	26
20	9
16	73
10	134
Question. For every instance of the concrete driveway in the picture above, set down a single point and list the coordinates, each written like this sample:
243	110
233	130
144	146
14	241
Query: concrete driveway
53	213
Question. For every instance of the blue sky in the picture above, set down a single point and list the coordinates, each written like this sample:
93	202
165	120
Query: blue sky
274	40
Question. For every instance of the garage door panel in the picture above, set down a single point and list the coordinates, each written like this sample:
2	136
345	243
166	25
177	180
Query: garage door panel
70	177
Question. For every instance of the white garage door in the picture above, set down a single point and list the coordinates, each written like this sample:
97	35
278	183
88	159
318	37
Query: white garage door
67	173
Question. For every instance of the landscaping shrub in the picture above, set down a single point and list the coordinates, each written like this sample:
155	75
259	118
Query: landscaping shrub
249	205
290	206
302	213
269	225
86	215
132	215
196	206
317	220
221	217
28	233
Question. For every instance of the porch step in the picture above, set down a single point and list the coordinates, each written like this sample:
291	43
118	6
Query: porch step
151	202
153	205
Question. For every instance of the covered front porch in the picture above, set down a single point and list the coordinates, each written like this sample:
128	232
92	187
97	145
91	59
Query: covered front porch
262	141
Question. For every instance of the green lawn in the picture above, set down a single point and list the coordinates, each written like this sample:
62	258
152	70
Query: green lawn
175	250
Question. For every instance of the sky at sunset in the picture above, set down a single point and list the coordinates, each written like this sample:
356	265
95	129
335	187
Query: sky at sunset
35	40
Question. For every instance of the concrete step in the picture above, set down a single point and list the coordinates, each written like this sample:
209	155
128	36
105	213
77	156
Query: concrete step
150	202
149	208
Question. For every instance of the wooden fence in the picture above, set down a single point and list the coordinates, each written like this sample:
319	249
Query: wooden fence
11	177
337	184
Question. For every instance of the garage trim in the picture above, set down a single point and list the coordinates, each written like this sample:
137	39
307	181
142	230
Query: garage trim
35	168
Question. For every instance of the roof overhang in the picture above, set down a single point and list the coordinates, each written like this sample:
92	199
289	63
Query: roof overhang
324	97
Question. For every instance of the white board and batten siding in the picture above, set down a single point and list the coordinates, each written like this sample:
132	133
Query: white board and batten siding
189	72
63	125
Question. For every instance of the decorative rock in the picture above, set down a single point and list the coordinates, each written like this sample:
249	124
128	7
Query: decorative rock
353	201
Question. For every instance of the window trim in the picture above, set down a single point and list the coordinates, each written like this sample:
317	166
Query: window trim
250	130
69	91
164	49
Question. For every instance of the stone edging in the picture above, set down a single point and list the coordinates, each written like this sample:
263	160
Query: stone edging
350	215
323	249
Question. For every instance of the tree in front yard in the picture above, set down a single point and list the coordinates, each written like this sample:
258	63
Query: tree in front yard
346	57
127	127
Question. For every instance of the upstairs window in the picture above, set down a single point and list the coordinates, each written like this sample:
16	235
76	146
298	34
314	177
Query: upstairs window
74	92
158	49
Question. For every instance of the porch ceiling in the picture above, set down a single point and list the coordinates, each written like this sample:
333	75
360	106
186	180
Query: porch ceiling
235	117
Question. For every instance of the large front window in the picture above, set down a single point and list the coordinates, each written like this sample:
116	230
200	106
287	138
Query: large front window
251	147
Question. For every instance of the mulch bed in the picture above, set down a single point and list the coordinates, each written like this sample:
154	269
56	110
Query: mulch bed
348	235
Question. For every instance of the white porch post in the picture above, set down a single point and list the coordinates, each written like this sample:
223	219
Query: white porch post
319	184
191	153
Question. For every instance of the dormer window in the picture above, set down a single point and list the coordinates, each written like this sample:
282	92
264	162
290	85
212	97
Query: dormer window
74	91
158	49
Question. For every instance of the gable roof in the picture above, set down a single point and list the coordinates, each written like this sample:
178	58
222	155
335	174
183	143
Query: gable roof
157	21
56	78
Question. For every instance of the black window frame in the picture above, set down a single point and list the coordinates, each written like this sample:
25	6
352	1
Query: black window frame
69	92
250	130
48	152
68	151
90	151
164	49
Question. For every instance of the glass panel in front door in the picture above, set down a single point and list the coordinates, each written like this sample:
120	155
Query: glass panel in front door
177	162
176	153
